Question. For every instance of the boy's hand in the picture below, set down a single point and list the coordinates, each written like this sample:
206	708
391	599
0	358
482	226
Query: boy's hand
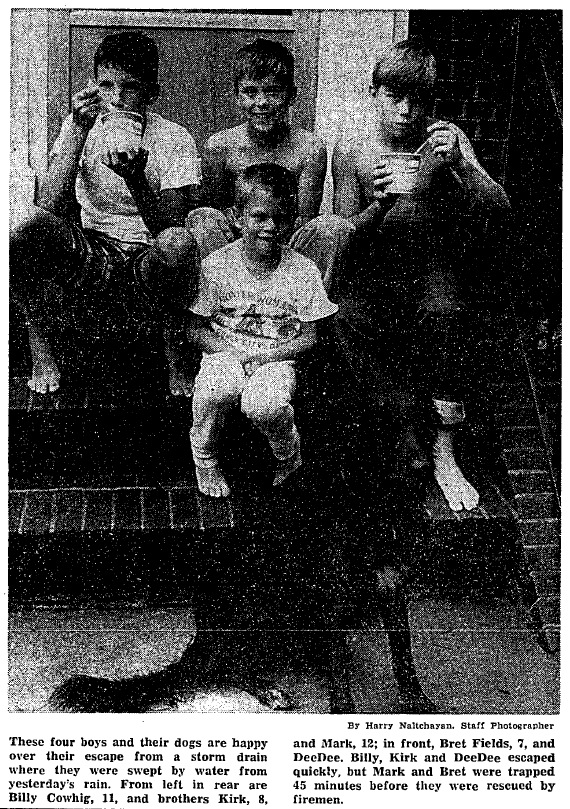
218	220
252	364
86	106
129	165
444	141
382	178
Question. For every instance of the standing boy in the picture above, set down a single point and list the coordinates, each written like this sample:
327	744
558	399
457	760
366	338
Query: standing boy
265	89
257	308
425	252
132	253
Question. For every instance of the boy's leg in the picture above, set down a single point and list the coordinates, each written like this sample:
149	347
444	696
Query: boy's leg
266	400
219	383
447	348
211	229
43	249
325	240
167	275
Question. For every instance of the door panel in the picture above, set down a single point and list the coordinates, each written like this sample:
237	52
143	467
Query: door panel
196	61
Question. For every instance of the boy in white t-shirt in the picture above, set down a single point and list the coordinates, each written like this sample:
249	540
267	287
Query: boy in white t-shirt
132	255
256	312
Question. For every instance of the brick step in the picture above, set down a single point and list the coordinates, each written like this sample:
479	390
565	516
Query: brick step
516	415
543	557
540	531
550	610
547	582
532	457
516	436
56	511
530	480
532	505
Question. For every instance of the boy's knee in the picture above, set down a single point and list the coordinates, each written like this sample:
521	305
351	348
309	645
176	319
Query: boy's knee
177	247
335	228
219	381
263	408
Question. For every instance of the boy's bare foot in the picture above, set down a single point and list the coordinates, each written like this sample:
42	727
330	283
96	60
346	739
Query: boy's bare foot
286	467
179	383
458	492
45	373
211	482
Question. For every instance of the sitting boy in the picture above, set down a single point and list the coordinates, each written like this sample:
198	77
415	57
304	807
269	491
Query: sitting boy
132	256
265	89
257	309
429	254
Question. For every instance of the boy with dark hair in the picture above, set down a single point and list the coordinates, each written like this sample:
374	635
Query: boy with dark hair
132	254
264	84
256	312
429	253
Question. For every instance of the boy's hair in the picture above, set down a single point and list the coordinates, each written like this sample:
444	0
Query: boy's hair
133	52
262	58
407	68
279	181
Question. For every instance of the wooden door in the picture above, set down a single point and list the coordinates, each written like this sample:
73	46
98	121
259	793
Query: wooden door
196	54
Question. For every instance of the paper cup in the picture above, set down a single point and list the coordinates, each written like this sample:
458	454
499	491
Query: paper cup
404	167
122	130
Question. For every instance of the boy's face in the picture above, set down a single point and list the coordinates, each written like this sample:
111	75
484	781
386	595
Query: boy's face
266	223
265	103
399	115
122	90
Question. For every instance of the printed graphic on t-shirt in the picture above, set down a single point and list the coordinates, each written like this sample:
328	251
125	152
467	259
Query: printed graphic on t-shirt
255	321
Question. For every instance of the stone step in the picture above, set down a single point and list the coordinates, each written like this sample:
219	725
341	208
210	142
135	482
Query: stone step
531	505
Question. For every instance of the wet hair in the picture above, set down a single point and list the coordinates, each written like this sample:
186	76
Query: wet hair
262	58
406	68
132	51
279	181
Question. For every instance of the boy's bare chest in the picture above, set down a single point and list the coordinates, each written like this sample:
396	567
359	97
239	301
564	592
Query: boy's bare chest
240	157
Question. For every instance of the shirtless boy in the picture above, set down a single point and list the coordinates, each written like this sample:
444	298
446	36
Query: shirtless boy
265	90
132	246
424	249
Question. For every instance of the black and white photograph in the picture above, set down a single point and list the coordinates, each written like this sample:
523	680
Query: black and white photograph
285	326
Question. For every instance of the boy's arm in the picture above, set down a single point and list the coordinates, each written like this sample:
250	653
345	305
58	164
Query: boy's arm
169	209
311	183
201	336
304	341
57	191
217	183
455	150
347	196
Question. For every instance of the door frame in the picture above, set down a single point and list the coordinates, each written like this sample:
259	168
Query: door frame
303	24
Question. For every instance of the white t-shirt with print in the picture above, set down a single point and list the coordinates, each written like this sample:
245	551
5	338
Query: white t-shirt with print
255	314
106	203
